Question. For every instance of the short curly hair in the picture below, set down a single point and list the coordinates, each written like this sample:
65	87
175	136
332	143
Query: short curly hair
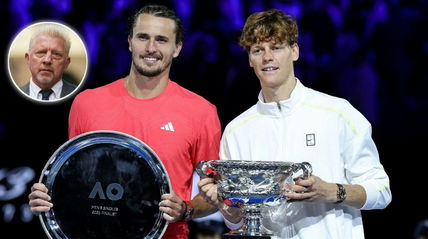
267	26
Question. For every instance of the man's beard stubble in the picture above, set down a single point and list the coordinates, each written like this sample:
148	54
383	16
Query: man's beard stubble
44	80
143	72
150	73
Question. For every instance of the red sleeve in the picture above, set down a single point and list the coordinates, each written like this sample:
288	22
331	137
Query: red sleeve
208	142
75	124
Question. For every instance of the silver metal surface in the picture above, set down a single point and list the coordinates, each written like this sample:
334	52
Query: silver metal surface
104	184
251	184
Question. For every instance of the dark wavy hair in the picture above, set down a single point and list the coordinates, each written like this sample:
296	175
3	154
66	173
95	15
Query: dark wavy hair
159	11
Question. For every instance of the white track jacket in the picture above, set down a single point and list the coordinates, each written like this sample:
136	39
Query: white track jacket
333	137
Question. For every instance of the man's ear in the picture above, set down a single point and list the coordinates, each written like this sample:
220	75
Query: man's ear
27	58
129	43
177	50
295	51
68	60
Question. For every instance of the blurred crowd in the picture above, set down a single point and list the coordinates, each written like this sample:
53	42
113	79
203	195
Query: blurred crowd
371	52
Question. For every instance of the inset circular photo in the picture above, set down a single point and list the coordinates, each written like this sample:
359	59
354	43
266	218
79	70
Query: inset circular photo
47	62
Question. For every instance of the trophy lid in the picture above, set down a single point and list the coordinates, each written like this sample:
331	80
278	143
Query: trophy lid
104	184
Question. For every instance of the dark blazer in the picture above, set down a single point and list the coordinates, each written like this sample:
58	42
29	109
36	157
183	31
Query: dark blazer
67	88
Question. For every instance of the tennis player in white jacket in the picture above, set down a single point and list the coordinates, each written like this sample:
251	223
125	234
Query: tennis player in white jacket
293	123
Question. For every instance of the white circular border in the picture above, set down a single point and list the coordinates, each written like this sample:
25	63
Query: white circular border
82	81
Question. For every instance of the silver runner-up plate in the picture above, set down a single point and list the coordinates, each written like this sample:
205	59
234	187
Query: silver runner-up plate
104	184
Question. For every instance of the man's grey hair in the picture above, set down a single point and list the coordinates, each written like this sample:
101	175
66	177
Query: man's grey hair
52	30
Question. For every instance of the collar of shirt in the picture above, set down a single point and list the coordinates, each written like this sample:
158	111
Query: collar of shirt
283	107
35	91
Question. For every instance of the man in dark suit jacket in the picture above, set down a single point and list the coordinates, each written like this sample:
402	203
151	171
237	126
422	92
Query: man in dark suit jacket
48	58
66	88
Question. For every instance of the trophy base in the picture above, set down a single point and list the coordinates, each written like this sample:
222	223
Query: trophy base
242	236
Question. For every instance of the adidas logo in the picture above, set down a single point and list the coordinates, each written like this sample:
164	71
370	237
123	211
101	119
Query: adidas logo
168	127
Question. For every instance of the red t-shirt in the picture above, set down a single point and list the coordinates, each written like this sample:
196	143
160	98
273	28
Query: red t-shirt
180	126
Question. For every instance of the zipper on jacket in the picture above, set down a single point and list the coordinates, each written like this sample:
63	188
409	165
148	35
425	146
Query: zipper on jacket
279	106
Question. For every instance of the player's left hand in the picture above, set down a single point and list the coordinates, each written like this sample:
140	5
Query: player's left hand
311	189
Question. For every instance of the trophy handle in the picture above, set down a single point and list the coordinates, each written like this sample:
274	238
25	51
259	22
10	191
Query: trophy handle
206	169
296	167
305	167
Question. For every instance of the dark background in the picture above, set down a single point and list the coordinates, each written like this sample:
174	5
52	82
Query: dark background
373	53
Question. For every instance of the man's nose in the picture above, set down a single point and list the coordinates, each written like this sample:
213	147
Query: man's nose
268	55
47	59
151	46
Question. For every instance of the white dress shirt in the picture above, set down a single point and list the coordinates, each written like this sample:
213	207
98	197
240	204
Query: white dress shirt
35	91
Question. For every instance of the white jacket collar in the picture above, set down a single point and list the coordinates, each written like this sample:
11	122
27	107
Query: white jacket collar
282	107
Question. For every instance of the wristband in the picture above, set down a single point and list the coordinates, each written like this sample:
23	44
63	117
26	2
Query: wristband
188	211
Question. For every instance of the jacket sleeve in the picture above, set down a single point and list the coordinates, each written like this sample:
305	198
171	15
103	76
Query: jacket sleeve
363	167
